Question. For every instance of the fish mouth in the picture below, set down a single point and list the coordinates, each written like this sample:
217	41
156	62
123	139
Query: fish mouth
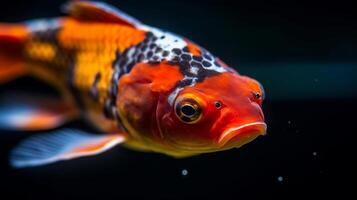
240	135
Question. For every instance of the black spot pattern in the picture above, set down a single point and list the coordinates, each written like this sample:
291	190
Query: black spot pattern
165	53
94	89
186	57
206	64
197	58
63	57
194	68
158	50
176	51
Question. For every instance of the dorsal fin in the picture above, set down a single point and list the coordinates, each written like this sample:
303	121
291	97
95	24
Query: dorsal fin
99	11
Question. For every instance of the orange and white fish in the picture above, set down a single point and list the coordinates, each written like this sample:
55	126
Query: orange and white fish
149	89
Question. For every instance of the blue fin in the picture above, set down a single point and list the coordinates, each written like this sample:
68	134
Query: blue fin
61	145
99	11
22	112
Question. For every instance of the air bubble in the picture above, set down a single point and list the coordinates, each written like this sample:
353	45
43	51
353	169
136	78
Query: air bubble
184	172
280	178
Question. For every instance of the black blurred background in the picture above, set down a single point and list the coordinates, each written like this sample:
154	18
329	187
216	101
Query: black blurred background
304	53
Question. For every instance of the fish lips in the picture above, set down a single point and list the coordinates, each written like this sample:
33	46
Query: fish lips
236	136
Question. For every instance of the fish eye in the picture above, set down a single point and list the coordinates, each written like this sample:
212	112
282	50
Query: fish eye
188	111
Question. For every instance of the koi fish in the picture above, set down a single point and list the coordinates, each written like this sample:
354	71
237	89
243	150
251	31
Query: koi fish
145	88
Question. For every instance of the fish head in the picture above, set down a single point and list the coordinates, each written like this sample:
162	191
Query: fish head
222	112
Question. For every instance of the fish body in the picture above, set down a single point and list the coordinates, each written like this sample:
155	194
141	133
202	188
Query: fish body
149	89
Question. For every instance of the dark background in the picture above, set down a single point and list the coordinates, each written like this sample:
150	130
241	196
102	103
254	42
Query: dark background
304	53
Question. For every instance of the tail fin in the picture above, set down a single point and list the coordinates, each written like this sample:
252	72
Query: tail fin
12	38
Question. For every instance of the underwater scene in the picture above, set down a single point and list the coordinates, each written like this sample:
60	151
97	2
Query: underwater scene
177	99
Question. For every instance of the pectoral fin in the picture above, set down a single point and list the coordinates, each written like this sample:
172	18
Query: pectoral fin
61	145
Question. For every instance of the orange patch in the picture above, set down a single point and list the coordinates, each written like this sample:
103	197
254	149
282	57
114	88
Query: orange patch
162	77
98	36
42	121
40	50
86	70
8	73
193	48
13	32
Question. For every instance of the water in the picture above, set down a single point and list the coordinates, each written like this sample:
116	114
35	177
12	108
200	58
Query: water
304	55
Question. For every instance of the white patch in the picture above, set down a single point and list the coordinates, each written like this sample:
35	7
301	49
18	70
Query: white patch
117	74
173	96
131	52
42	24
130	57
170	41
194	70
12	117
216	68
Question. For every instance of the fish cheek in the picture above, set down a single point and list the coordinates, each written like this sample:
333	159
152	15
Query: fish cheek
139	93
136	104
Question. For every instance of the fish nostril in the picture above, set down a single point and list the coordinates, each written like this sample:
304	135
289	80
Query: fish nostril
218	104
257	95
